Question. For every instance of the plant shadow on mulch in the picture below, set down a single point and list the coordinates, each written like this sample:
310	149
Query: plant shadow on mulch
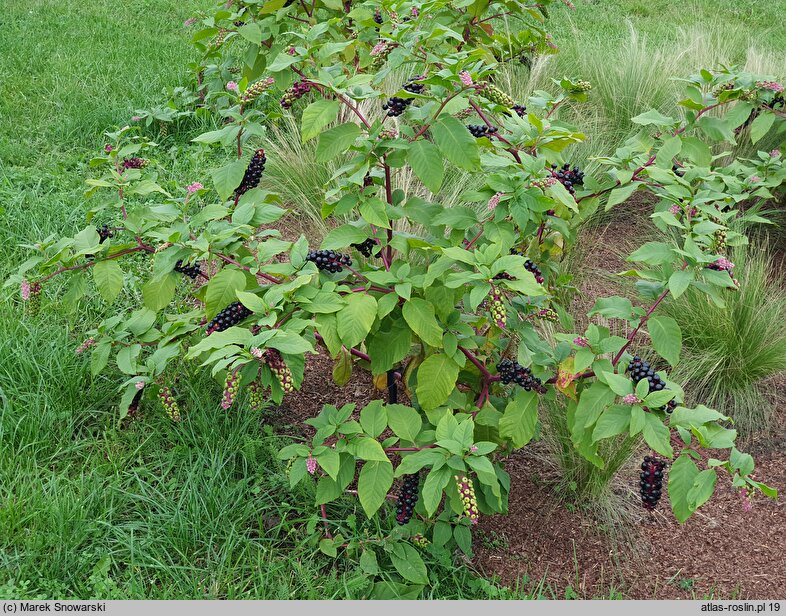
720	552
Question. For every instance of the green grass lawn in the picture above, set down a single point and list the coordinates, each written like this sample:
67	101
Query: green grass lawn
201	509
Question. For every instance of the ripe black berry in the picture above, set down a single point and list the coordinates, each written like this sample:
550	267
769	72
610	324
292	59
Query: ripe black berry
511	371
407	498
192	271
329	260
520	110
568	177
133	163
413	86
678	170
104	233
229	316
378	16
481	130
253	173
366	247
651	481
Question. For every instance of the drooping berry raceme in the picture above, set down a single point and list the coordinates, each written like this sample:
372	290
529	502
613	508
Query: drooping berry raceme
366	248
722	265
255	398
256	89
512	372
494	201
497	308
396	105
651	481
407	498
530	266
192	271
466	491
520	110
413	86
492	93
329	260
481	130
569	178
543	183
231	387
420	541
33	298
133	163
229	316
296	90
253	173
280	370
465	78
169	403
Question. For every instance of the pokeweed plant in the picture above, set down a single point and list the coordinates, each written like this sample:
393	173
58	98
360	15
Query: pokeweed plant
444	301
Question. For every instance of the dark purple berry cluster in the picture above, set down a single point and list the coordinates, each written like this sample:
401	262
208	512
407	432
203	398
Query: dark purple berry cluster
481	130
569	178
133	163
366	247
511	371
651	481
104	233
530	266
253	173
678	170
396	105
378	16
229	316
133	408
407	498
192	271
329	260
642	369
296	91
413	86
520	110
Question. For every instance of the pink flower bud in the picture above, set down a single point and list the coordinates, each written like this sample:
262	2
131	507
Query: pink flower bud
378	48
192	188
580	341
466	78
257	352
754	179
630	399
136	118
233	87
291	51
473	449
108	148
675	209
139	385
775	153
311	464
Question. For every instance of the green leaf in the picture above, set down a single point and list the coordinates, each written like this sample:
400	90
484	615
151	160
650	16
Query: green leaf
702	489
612	422
613	308
157	294
436	380
387	347
657	435
520	418
329	461
592	403
368	562
761	126
682	476
374	418
426	161
638	419
251	301
354	320
679	282
654	253
620	385
370	449
619	195
405	421
100	357
374	212
108	277
435	483
671	147
653	117
317	116
336	141
374	481
409	565
328	547
456	143
227	178
343	236
419	315
342	369
222	290
666	338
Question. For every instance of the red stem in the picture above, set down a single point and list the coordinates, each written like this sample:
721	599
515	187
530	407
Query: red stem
483	371
82	266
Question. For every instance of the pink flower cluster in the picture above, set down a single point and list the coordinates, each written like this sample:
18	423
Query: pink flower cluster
630	399
257	352
378	48
311	464
580	341
775	153
24	288
774	86
466	78
754	179
494	201
233	87
90	342
724	264
747	503
291	51
192	188
675	209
